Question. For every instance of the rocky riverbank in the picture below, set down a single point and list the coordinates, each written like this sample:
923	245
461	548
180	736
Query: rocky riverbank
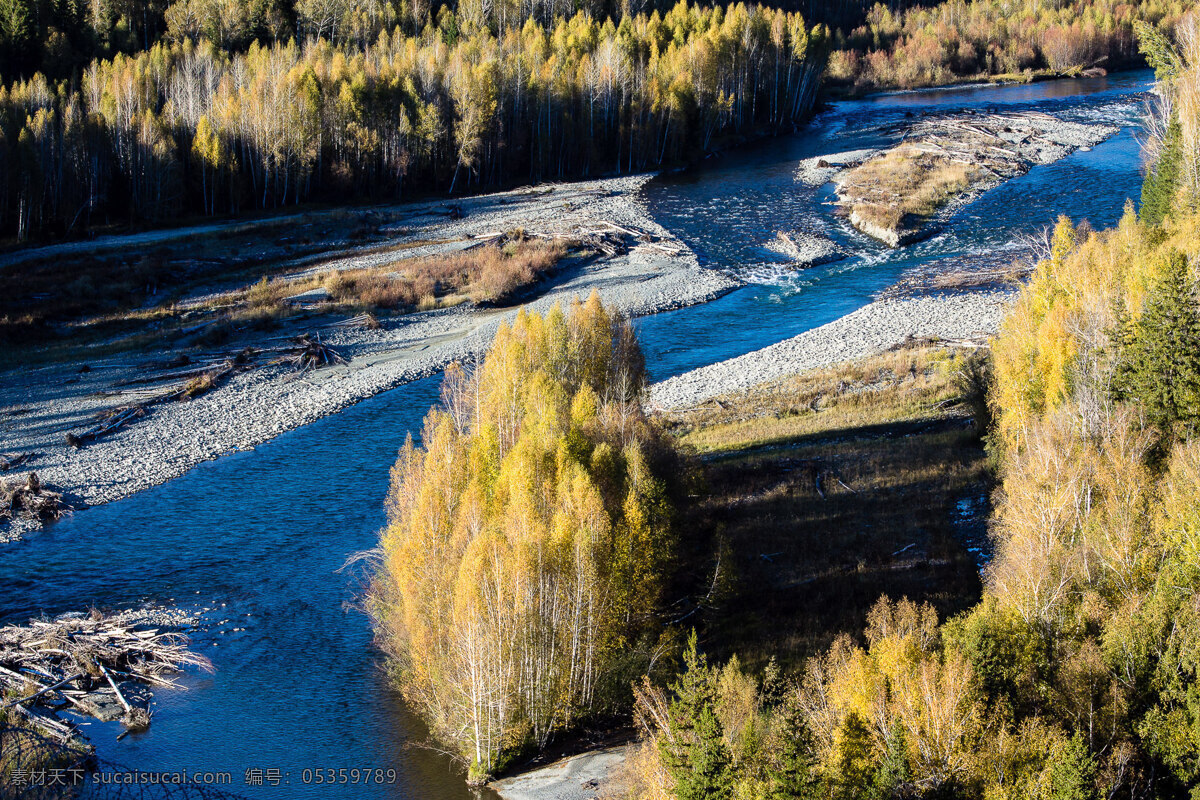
954	316
593	775
38	407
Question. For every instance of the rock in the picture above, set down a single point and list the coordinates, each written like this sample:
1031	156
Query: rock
892	237
806	249
580	777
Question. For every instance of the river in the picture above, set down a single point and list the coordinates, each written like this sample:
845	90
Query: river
253	541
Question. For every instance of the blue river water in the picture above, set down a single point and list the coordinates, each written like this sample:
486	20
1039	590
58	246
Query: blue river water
727	211
254	541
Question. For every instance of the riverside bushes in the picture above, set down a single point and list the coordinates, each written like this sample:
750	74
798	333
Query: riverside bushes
528	536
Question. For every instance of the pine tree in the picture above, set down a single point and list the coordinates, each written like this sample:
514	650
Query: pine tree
892	775
1159	353
792	774
696	755
1072	771
1160	188
16	36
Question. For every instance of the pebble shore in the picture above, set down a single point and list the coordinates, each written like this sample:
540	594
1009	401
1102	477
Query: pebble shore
38	407
869	330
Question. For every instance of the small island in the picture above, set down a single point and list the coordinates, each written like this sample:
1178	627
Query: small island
942	164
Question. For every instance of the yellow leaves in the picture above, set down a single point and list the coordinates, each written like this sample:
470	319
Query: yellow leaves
1178	516
1080	512
500	571
1061	324
903	621
901	682
584	407
1054	353
939	706
737	705
1035	350
206	145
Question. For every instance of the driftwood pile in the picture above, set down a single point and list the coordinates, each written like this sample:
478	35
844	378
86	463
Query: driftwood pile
952	159
304	353
1004	145
31	499
91	665
309	352
368	321
9	461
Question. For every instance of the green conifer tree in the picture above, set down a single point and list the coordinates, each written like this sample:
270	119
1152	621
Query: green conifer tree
1159	353
1161	185
696	755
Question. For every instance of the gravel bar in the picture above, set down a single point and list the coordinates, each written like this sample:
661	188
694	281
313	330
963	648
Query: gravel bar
869	330
39	406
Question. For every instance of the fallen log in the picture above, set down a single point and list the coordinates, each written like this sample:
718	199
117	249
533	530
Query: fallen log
113	420
201	381
10	461
124	703
43	690
74	657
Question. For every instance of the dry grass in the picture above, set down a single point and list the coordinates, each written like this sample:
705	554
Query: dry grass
825	491
490	273
900	386
641	776
905	183
103	308
373	289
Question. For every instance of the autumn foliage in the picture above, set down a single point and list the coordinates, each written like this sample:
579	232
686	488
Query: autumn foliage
367	105
528	535
931	44
1077	675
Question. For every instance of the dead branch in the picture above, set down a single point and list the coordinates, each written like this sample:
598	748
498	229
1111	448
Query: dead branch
309	352
75	658
32	500
10	461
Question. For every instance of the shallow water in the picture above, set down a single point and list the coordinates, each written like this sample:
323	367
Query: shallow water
730	209
254	540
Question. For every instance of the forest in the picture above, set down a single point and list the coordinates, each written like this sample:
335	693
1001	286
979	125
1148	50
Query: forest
212	121
975	39
114	114
537	536
1076	675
